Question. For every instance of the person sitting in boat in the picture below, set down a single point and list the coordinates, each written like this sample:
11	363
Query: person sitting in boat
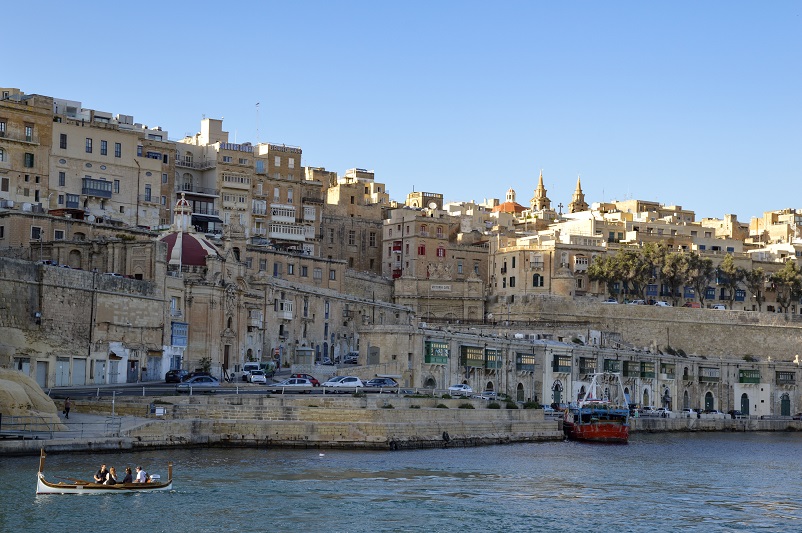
129	478
141	475
100	476
111	477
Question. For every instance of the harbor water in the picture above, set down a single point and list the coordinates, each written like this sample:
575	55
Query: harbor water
668	481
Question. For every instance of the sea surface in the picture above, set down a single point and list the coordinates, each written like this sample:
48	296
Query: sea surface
658	482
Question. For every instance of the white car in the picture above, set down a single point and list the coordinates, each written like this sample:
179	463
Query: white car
663	304
637	302
344	382
257	376
662	412
460	389
292	383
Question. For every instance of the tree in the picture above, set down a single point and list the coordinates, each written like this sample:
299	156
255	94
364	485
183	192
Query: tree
788	284
602	269
700	274
634	271
755	281
730	277
674	274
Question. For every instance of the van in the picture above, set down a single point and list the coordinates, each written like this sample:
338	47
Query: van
720	307
694	305
247	368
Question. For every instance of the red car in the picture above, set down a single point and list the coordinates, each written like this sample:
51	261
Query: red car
311	378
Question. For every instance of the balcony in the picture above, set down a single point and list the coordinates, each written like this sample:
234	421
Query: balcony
282	213
536	265
311	200
709	379
9	136
749	376
667	375
259	231
284	315
176	313
196	165
194	189
149	198
98	188
287	232
255	323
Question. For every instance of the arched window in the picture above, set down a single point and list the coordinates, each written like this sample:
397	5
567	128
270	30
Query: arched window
785	405
744	404
439	232
519	392
686	400
709	401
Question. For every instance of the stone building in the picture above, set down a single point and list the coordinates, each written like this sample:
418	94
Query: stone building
26	124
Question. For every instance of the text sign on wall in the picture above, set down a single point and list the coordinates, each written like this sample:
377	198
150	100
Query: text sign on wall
441	288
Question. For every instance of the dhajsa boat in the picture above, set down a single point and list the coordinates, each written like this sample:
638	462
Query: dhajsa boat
79	486
602	414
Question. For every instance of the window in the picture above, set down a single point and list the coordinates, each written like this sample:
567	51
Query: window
28	160
118	150
260	166
276	194
4	184
459	267
331	235
289	196
117	186
332	274
372	239
62	141
317	274
351	237
104	148
262	265
243	161
304	272
60	199
476	268
291	162
164	200
36	233
88	145
164	177
290	269
62	179
277	161
147	192
512	281
441	252
2	155
58	235
421	249
2	128
28	132
537	280
2	232
227	159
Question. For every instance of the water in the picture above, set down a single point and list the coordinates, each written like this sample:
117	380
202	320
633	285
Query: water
699	482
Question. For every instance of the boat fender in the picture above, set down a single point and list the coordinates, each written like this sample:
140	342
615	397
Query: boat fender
446	437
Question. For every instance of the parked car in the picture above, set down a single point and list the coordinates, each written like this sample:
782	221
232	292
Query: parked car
291	383
351	359
310	377
712	412
662	304
637	302
610	301
689	413
257	376
345	382
334	379
734	413
460	389
797	416
197	373
324	361
662	412
487	395
198	384
175	376
649	410
720	307
383	383
695	305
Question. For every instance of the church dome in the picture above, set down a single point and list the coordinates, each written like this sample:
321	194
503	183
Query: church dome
184	246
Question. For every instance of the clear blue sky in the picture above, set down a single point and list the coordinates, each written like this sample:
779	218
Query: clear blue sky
689	103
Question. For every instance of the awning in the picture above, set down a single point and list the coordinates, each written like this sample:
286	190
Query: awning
206	218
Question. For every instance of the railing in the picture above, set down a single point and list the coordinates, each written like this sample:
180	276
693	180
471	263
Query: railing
196	165
186	187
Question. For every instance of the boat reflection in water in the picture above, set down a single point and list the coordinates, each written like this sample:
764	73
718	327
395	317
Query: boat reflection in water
602	414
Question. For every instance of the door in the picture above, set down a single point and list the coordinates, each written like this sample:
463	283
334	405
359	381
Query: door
41	373
62	371
100	372
133	372
744	404
79	371
785	405
709	401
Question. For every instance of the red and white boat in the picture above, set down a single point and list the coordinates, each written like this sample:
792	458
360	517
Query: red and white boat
602	415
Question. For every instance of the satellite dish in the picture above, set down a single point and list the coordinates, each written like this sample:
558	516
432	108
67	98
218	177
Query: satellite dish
432	205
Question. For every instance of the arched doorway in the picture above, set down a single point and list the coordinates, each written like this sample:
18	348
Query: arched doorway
519	392
489	386
557	392
666	399
430	383
686	400
646	397
744	404
709	402
785	405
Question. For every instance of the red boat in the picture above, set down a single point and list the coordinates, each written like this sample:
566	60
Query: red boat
600	418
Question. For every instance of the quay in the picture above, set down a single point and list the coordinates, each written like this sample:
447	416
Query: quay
378	422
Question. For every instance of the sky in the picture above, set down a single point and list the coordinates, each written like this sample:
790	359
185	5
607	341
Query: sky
696	104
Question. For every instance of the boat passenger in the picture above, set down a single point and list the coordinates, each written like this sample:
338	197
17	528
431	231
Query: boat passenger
141	475
111	477
129	478
100	475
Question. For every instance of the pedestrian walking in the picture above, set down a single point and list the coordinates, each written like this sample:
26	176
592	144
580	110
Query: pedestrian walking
67	405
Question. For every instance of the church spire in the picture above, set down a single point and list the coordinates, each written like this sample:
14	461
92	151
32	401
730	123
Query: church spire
578	200
540	201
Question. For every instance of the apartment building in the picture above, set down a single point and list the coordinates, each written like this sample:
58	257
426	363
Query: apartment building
26	124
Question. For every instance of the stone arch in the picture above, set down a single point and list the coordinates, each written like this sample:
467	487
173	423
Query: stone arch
75	259
430	383
519	392
686	400
785	405
744	404
489	386
710	402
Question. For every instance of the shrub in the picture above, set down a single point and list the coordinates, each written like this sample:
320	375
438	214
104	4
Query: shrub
442	406
414	406
388	406
359	395
532	405
466	406
512	405
446	396
493	405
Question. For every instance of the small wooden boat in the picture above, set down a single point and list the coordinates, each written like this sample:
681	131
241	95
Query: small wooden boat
602	415
79	486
